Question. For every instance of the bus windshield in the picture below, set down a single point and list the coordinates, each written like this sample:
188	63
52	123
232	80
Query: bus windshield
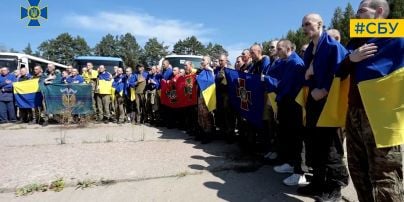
109	65
9	61
180	61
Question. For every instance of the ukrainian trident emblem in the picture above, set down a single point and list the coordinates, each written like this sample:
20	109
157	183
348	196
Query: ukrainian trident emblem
34	13
68	97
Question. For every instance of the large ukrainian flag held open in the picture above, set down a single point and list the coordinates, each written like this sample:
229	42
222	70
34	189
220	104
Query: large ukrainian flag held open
381	85
206	82
27	94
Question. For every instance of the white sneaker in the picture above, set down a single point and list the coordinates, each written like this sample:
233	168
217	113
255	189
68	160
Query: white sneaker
284	168
271	155
295	179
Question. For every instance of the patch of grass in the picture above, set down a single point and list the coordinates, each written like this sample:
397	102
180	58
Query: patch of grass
85	184
30	189
57	185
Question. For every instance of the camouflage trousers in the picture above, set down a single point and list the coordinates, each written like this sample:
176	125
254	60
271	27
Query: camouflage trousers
376	173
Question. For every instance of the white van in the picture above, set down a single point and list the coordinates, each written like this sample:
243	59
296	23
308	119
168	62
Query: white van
14	61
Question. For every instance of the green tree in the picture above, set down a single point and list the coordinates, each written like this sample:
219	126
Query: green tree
396	9
129	50
153	52
297	37
189	46
81	47
215	50
28	50
64	48
340	21
108	46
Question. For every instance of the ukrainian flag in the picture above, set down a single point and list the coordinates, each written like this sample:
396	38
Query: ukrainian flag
27	94
206	82
105	87
381	85
333	113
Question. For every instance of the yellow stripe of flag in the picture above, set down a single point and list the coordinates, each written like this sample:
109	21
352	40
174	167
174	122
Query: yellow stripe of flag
383	99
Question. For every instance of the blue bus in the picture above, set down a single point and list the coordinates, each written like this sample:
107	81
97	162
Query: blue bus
109	62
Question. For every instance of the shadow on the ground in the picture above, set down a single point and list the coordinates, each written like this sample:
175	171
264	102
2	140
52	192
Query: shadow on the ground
243	175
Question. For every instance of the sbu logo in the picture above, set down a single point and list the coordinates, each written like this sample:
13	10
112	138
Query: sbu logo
34	13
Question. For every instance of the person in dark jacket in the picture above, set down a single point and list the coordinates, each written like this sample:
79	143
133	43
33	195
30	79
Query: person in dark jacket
7	110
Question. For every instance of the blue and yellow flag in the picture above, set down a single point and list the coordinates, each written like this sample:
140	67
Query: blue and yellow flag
246	95
27	94
326	63
105	87
381	86
206	82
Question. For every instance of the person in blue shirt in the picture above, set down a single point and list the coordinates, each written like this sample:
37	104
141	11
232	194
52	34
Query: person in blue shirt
130	80
322	59
377	173
289	73
260	62
7	111
119	86
152	98
75	77
167	70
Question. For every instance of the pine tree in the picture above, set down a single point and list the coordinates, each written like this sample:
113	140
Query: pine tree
396	9
108	46
215	51
28	49
129	50
153	52
63	48
190	46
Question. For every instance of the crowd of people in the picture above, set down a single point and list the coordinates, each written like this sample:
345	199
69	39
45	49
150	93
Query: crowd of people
376	172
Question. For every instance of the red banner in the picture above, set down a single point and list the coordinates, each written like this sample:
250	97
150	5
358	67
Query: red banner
180	93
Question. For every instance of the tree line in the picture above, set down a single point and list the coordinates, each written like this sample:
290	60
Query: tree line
65	47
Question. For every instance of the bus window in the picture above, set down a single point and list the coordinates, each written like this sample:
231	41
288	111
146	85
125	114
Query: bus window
10	62
109	65
33	63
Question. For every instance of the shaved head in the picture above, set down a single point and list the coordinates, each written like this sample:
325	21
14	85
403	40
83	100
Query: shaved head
312	25
314	17
379	9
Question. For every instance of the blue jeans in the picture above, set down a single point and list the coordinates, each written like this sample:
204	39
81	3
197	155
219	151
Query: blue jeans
7	111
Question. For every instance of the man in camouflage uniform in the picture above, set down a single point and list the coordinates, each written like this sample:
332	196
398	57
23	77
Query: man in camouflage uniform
377	173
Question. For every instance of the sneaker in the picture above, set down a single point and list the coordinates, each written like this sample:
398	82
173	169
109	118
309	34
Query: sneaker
333	196
284	168
295	179
271	155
